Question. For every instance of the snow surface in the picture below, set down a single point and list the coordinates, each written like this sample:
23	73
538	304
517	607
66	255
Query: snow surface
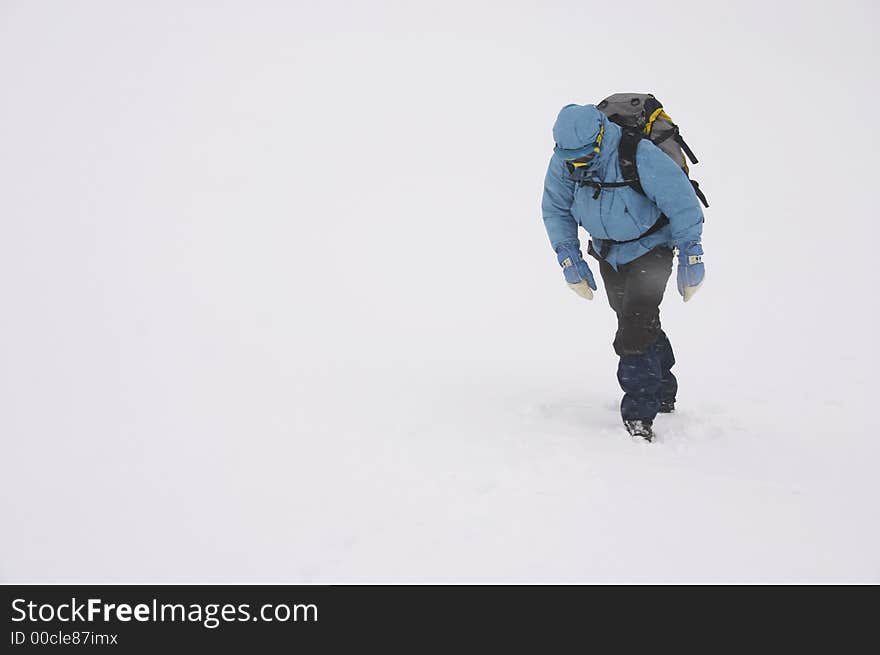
278	305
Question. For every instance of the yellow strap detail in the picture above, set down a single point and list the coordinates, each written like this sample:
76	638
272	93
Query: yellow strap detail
658	113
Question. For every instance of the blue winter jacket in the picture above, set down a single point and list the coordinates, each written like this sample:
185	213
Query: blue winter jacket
619	213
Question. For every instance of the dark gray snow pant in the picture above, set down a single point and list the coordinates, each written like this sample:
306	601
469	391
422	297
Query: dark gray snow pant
634	293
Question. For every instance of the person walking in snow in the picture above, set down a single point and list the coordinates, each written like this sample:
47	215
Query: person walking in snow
633	235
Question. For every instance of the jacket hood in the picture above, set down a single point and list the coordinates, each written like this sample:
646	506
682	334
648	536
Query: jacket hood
576	130
577	127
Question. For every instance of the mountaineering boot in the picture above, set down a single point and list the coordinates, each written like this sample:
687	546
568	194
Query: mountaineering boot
640	428
667	406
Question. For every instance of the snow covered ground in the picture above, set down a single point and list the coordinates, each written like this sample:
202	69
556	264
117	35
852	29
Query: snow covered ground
278	305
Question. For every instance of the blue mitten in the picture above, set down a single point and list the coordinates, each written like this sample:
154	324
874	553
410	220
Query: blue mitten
691	269
577	273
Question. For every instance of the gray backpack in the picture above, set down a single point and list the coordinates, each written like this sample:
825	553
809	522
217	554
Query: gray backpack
641	116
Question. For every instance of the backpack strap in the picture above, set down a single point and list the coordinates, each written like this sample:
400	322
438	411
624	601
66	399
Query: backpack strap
700	194
626	154
690	153
602	185
602	253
